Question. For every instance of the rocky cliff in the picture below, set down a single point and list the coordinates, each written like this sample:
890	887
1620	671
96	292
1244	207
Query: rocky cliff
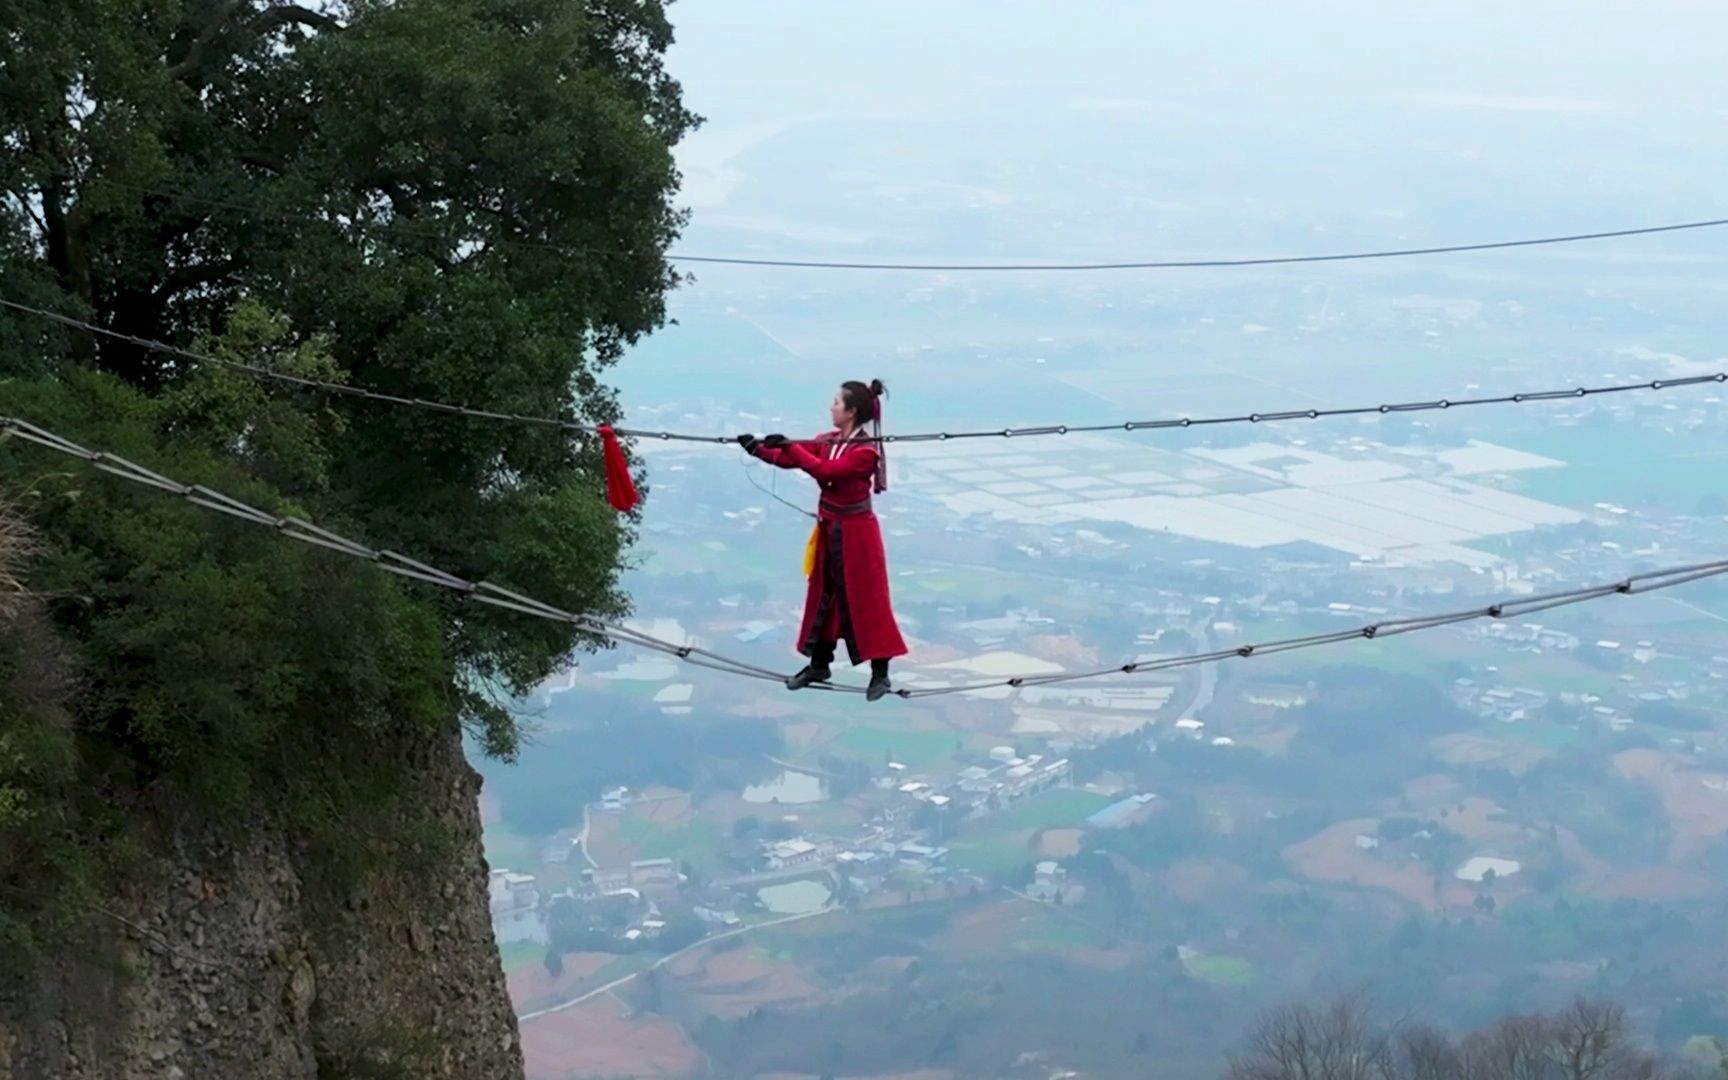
227	959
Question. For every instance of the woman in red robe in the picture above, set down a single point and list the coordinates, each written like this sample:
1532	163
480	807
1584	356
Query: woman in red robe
847	597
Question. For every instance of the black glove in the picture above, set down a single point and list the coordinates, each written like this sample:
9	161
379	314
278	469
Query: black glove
748	442
774	442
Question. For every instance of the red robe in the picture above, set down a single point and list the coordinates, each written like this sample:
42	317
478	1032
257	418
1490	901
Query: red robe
847	526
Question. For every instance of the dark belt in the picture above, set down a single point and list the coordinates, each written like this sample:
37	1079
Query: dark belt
829	508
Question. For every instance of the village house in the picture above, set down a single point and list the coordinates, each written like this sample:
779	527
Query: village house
507	891
1048	881
658	875
784	854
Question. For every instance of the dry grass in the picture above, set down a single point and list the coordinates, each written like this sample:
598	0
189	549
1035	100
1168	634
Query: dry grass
600	1038
16	544
733	983
37	675
1332	855
1696	801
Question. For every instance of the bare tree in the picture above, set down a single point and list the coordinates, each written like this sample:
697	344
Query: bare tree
1299	1042
1589	1040
1427	1054
1515	1048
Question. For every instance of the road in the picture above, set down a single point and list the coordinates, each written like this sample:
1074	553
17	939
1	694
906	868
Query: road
582	837
667	959
582	841
1066	913
1208	682
1208	678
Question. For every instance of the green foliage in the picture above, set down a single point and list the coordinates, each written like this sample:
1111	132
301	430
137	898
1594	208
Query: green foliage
631	745
1394	829
37	757
374	194
208	648
1669	715
919	749
1617	818
1365	711
406	159
598	925
1223	970
1001	843
846	776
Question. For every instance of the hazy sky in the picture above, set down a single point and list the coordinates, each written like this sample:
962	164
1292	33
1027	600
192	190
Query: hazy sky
734	54
1495	114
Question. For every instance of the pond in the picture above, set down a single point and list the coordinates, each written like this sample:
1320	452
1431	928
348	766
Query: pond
1477	869
790	788
524	925
795	897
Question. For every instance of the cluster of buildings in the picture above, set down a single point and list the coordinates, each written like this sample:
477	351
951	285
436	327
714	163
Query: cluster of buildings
1006	779
901	836
1508	704
1530	637
654	879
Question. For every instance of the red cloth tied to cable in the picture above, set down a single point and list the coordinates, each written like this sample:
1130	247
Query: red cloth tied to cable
620	488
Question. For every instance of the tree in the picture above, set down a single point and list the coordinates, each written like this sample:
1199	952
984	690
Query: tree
1298	1042
1515	1048
1394	829
554	963
651	991
1587	1040
1428	1054
378	193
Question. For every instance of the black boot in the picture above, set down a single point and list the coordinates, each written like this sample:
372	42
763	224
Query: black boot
879	684
820	668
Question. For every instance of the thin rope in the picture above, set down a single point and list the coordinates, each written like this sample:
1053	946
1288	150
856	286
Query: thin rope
1268	417
823	264
749	474
1501	609
497	596
390	561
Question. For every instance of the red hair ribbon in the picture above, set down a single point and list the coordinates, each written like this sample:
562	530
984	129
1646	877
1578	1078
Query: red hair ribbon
620	489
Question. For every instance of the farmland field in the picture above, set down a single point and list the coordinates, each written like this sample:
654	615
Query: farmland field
1003	840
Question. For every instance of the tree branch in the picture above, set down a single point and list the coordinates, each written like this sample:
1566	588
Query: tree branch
260	159
194	58
182	278
273	18
265	22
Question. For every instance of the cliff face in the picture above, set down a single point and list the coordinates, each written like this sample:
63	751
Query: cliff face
226	963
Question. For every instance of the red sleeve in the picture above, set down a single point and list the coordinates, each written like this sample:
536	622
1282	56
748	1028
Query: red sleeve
854	464
774	457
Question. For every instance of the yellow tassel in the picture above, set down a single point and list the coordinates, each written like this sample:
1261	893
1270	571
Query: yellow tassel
810	551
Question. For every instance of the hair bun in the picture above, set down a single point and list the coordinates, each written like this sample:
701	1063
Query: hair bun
877	388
